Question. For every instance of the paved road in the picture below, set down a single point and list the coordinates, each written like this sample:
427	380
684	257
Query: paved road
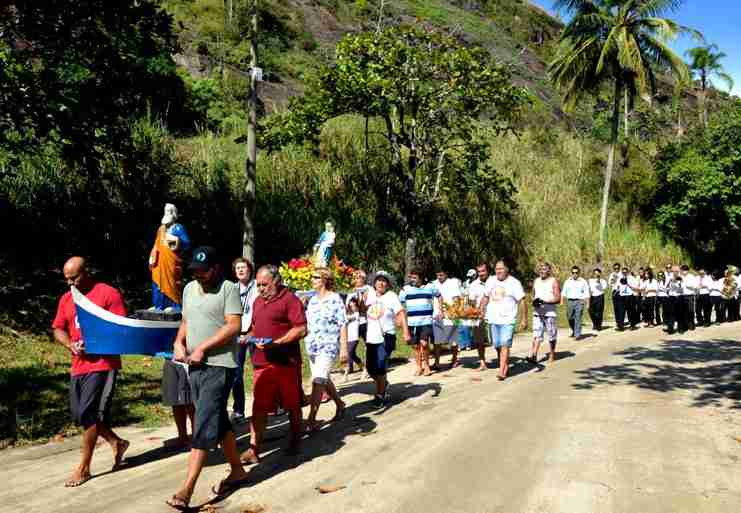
629	422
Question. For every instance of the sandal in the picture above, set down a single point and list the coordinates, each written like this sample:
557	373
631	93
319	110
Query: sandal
178	503
249	457
226	487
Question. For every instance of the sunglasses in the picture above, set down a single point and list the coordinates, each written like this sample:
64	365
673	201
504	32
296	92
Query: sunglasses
316	277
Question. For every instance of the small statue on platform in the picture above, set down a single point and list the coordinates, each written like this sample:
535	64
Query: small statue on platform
165	262
323	247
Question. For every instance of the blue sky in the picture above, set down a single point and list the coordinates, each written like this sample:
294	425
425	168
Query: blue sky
718	20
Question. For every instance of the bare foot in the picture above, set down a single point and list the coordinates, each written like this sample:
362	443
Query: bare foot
418	372
119	449
78	478
482	367
427	372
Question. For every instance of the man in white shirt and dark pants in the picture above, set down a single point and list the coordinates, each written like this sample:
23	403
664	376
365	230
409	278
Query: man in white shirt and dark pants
690	286
597	288
575	291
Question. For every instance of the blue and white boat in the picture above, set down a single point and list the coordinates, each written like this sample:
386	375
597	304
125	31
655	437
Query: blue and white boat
109	334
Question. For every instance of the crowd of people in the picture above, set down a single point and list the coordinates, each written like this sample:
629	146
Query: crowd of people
224	322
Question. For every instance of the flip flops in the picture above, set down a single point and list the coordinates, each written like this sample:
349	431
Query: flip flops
226	487
178	503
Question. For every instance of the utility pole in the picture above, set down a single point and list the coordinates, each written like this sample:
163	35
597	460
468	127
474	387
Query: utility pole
248	238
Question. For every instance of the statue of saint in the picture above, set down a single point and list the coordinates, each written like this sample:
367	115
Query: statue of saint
165	262
323	247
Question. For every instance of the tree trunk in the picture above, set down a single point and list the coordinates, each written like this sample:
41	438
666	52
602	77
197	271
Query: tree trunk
625	120
248	238
704	102
609	168
410	255
680	127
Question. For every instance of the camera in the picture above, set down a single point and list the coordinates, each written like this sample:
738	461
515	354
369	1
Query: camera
537	302
623	281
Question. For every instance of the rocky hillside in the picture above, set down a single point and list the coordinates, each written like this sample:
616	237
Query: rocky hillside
296	36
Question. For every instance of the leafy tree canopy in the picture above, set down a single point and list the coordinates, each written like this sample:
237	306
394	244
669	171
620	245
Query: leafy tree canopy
77	72
429	94
698	200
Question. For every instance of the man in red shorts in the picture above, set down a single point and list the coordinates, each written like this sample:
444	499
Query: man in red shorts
93	377
278	324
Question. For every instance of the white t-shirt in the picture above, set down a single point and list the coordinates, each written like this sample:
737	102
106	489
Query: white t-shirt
597	287
449	290
477	290
635	283
690	284
353	327
381	315
650	287
705	283
503	299
358	294
716	288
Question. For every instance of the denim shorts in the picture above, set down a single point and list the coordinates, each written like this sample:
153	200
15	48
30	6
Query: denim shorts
502	334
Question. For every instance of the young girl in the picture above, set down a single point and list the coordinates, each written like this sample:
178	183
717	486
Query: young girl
353	335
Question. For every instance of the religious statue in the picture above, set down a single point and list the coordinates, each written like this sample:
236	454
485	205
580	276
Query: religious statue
165	262
323	247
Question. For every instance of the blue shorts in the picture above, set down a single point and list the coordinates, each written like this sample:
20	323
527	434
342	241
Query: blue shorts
502	334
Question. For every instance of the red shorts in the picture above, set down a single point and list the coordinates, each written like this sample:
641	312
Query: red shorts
273	385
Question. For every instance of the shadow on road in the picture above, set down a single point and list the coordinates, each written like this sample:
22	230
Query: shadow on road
710	368
330	439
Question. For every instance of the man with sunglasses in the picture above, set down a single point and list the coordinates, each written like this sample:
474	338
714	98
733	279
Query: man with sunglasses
575	291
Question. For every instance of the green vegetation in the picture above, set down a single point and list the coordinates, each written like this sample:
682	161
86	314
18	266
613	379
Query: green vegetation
705	63
698	201
620	43
98	132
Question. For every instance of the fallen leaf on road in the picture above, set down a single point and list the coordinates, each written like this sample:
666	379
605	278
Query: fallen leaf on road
59	438
445	376
476	379
253	508
737	438
330	489
367	483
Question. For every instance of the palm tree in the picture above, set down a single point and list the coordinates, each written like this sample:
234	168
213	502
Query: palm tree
617	42
705	62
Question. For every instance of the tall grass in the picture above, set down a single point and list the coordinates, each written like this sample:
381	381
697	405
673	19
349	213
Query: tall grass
559	180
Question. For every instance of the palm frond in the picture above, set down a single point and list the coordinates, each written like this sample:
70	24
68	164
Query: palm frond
725	77
657	7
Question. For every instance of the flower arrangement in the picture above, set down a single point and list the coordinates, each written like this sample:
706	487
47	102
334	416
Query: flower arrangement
296	273
460	309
